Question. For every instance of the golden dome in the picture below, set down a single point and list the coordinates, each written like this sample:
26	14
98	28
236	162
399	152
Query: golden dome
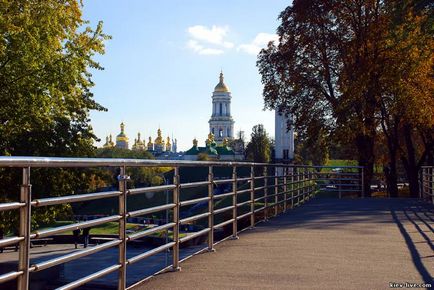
159	140
122	136
221	86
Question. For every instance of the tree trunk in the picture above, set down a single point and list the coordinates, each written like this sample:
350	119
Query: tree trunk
392	176
365	148
410	164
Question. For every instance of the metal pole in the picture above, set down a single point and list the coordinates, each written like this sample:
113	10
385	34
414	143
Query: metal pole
175	255
122	281
252	196
432	185
292	187
166	192
339	184
24	230
265	193
285	189
276	191
363	182
298	187
211	210
304	185
234	202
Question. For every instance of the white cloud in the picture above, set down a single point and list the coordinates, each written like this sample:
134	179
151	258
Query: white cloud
196	47
213	35
201	37
261	40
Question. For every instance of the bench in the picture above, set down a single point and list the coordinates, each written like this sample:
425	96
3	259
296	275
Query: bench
44	241
99	240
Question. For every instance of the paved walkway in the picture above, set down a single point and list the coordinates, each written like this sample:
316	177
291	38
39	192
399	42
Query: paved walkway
325	244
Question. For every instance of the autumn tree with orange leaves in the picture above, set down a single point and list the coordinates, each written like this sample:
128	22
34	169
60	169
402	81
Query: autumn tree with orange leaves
360	68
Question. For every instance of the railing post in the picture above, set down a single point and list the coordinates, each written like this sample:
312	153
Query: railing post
292	187
285	189
304	184
122	278
252	196
432	185
24	230
298	186
175	254
211	209
363	182
276	191
265	193
234	202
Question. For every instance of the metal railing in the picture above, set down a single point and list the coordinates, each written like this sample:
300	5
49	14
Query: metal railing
427	183
256	193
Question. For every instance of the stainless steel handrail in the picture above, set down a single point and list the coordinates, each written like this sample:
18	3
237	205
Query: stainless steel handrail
278	188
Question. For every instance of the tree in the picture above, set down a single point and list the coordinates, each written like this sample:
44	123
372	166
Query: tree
407	103
258	149
45	82
330	67
46	55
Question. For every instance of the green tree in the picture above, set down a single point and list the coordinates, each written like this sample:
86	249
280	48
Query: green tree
46	54
259	149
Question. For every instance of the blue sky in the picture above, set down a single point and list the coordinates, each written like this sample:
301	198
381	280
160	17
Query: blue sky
164	59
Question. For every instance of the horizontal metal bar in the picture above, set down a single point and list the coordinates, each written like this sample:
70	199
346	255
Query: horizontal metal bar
10	241
89	278
243	191
244	215
260	188
73	256
243	179
151	210
259	177
74	198
195	217
10	276
30	161
218	196
192	236
259	198
150	253
11	205
342	190
193	201
244	203
221	181
95	222
275	194
220	210
150	231
151	189
224	223
194	184
259	209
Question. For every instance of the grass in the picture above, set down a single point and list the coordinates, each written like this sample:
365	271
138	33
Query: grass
110	228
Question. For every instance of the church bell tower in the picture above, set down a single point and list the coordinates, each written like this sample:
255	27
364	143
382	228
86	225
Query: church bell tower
221	123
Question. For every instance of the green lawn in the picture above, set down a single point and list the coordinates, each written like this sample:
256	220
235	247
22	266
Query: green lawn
104	229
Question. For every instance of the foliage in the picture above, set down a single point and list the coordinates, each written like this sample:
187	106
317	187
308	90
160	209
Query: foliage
140	176
202	157
258	149
341	66
45	56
